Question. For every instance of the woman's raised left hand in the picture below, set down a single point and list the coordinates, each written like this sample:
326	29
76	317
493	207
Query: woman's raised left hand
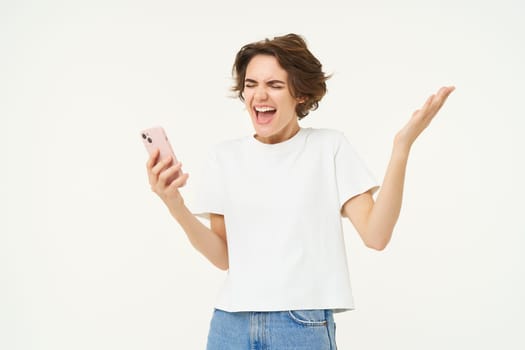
421	118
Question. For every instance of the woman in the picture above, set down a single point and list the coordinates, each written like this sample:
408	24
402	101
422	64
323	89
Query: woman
275	201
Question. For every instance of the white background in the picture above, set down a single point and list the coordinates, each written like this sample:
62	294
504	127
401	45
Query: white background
91	259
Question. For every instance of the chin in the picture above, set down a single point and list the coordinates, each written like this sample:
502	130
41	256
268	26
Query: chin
262	133
263	129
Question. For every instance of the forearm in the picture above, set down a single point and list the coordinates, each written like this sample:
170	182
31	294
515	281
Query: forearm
211	245
385	211
375	221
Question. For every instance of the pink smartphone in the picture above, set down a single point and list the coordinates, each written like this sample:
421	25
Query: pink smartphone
154	138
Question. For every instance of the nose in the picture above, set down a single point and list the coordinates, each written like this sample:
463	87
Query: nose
261	93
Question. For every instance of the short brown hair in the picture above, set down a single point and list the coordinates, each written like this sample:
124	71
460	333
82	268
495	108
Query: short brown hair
305	75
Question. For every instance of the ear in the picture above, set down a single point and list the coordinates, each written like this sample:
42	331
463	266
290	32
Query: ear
301	100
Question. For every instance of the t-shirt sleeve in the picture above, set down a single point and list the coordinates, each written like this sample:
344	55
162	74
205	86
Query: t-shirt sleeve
209	195
352	175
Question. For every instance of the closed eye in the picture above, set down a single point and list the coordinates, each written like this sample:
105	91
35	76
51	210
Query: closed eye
249	83
276	84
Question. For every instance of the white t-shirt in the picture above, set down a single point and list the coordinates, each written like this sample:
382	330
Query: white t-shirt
282	209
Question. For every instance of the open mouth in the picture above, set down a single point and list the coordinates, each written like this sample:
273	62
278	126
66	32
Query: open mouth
264	114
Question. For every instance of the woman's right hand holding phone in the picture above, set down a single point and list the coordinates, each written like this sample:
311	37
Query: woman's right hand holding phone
164	181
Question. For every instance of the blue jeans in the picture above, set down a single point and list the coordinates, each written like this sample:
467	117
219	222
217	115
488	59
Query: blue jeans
279	330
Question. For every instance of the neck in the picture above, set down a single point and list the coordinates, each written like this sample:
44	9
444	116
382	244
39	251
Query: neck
285	134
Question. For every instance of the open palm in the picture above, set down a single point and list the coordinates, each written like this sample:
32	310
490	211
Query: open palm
422	117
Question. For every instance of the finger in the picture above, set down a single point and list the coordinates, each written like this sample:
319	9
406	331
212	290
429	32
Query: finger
153	174
428	102
170	173
426	106
149	165
184	179
447	90
153	158
160	166
442	91
443	94
179	182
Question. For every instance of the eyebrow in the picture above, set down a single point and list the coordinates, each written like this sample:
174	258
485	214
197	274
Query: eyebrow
270	82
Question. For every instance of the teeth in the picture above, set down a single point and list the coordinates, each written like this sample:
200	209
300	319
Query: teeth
264	109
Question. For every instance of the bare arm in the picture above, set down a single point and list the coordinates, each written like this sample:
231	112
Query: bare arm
210	242
375	221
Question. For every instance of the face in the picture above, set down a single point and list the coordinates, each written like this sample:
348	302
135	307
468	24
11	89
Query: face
269	101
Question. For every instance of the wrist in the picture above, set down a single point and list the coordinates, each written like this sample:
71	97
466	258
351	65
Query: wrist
402	142
401	150
177	209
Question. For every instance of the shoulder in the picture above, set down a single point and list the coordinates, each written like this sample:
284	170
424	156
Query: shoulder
229	144
325	133
228	148
324	136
